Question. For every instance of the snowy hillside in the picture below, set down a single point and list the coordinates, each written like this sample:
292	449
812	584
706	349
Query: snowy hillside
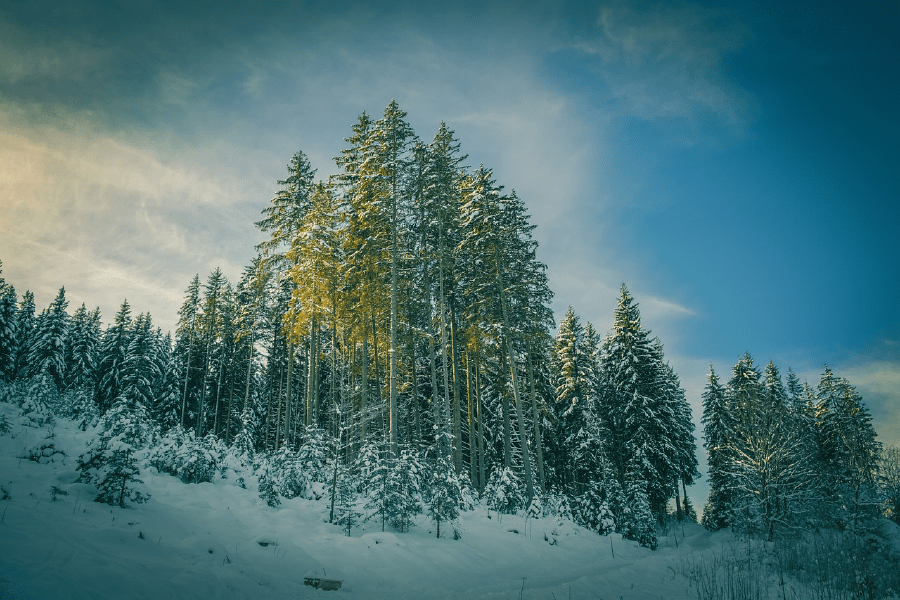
219	540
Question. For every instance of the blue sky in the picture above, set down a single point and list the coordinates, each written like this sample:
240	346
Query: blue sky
734	164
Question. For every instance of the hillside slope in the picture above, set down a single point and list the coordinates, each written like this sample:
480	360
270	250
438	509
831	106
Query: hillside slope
219	540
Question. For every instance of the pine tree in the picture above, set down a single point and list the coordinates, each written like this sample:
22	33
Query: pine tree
889	469
500	280
718	431
504	492
47	348
346	514
8	332
166	404
683	442
365	244
642	418
110	461
445	496
113	351
210	325
637	522
140	367
440	215
25	323
569	365
187	348
395	488
83	349
288	208
315	256
390	141
848	454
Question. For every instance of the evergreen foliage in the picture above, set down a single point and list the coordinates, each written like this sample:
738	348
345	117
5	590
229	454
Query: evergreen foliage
398	310
345	512
47	344
192	460
110	461
445	495
9	334
504	492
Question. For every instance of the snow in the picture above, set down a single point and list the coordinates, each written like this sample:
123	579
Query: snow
219	540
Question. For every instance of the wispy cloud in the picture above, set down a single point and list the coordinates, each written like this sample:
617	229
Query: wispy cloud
878	382
109	219
668	61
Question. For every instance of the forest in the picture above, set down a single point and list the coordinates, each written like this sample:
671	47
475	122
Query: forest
390	348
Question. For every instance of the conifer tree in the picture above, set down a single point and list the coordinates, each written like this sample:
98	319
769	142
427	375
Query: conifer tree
47	348
346	513
83	348
140	367
25	323
569	365
166	405
642	419
848	453
315	256
187	347
637	517
718	430
445	496
390	142
889	468
497	237
8	332
109	462
287	210
113	351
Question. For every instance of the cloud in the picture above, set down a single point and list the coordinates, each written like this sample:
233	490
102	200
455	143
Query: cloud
26	58
668	61
878	382
110	219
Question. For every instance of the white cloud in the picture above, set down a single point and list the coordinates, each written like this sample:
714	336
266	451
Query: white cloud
878	382
667	61
110	219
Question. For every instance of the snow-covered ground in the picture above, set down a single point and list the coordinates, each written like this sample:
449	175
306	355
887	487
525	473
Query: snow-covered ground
219	540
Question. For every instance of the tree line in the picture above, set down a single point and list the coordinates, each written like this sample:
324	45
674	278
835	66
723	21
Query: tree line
396	321
786	456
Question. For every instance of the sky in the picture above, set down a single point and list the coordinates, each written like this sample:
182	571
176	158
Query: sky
734	164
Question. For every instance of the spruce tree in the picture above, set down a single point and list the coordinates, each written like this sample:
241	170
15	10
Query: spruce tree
83	349
445	496
8	333
848	454
718	430
110	462
47	348
113	351
287	210
187	348
641	417
25	323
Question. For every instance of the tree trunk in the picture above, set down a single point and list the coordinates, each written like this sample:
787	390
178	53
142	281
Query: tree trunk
469	416
507	428
249	374
679	515
187	371
287	395
538	444
523	440
457	426
481	466
364	396
395	263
